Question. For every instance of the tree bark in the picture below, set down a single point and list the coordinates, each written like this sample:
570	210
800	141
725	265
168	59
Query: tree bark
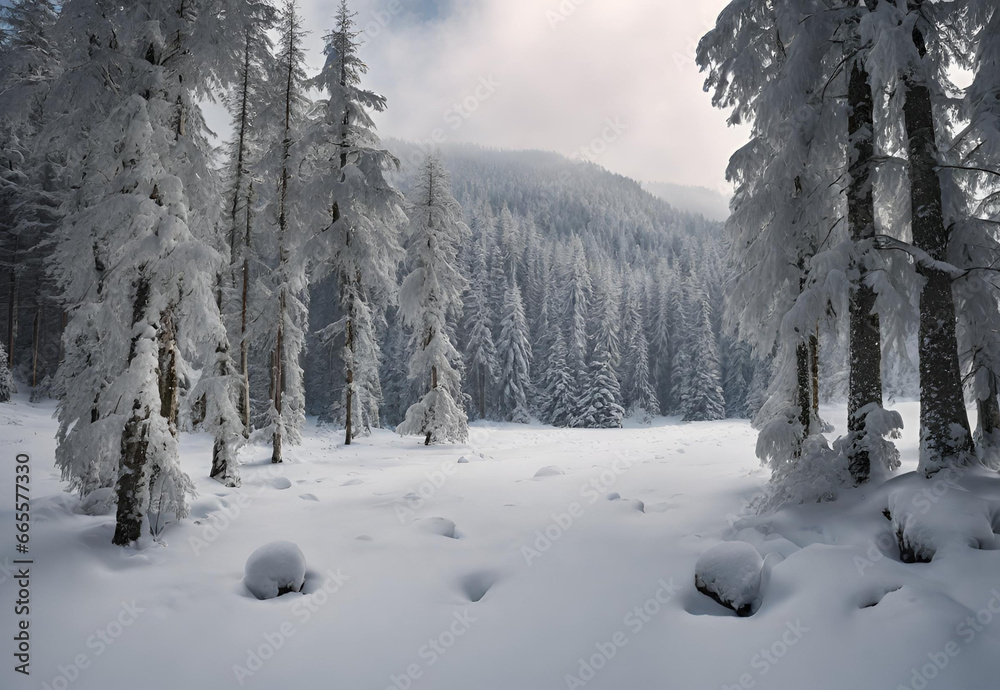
277	384
132	480
945	436
865	357
988	410
349	393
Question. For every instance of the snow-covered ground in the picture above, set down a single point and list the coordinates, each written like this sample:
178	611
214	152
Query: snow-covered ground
531	559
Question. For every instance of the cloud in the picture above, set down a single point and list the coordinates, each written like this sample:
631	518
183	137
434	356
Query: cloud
563	70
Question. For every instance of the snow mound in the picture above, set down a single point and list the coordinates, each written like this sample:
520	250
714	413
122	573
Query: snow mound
938	517
730	573
280	483
439	525
548	471
463	460
99	502
275	569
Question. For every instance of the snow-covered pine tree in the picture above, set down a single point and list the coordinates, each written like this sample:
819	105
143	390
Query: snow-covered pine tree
145	211
428	296
638	396
480	351
576	298
515	358
359	213
283	122
250	20
602	395
702	397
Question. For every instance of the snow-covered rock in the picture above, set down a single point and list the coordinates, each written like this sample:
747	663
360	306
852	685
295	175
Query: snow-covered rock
730	573
930	516
275	569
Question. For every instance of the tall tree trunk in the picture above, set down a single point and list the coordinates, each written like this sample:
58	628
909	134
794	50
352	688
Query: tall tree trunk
12	305
482	392
278	380
945	436
814	370
169	380
349	393
133	487
865	366
434	384
36	333
244	403
988	410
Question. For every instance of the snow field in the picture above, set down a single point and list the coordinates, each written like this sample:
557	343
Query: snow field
426	572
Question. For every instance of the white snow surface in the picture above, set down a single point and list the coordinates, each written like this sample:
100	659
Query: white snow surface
731	570
274	567
549	586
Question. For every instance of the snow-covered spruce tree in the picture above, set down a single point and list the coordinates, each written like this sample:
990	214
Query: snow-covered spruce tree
359	213
769	63
639	398
145	211
515	358
702	399
665	336
250	20
282	122
480	351
575	307
429	294
601	406
602	395
6	380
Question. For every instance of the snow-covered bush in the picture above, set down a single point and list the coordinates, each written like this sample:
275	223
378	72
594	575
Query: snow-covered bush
275	569
730	573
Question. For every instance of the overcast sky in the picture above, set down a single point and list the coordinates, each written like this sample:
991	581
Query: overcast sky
613	80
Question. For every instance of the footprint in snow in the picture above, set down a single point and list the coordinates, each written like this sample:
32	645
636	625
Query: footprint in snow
308	497
476	585
353	482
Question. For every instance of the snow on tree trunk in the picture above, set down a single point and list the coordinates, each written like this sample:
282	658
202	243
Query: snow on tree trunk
945	436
